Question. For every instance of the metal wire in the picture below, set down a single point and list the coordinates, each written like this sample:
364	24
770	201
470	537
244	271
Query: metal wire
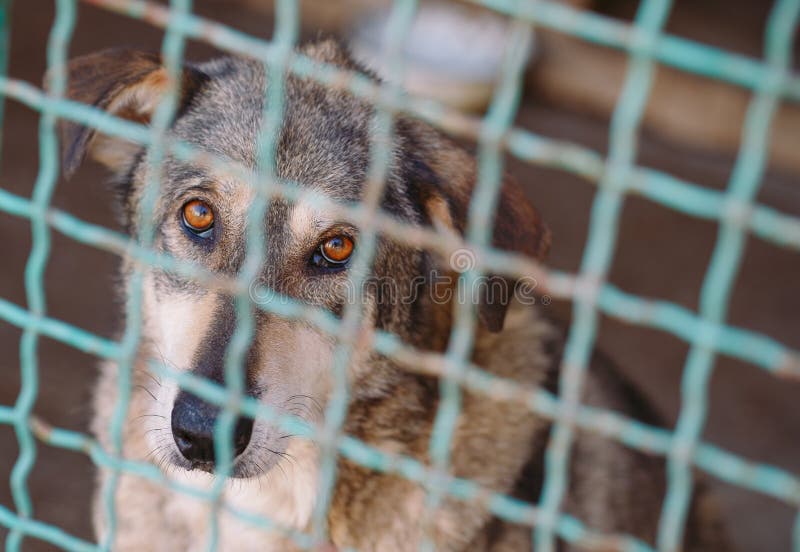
597	256
617	176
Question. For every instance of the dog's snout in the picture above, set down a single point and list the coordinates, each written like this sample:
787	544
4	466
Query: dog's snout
193	423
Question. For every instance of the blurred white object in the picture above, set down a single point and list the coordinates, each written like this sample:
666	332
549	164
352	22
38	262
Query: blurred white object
453	52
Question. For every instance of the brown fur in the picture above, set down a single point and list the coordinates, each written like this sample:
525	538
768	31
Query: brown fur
324	145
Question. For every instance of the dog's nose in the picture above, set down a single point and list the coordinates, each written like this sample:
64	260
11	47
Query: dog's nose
193	422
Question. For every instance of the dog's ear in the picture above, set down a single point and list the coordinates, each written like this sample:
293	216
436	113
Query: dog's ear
125	83
517	224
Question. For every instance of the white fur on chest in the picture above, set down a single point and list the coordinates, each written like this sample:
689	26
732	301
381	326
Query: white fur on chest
285	497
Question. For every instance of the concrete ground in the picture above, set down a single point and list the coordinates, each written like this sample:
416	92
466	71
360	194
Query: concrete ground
660	254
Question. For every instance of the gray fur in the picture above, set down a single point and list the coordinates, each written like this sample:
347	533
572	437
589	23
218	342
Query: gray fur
324	144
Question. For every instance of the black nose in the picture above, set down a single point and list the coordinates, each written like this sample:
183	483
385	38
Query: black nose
193	422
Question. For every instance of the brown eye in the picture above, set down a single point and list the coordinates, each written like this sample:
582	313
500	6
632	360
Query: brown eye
198	217
334	252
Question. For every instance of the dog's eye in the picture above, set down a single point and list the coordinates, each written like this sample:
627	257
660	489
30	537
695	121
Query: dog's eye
333	252
198	218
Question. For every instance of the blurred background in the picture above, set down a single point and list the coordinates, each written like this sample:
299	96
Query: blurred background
691	131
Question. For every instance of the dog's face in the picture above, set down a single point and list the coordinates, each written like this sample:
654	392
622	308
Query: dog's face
201	216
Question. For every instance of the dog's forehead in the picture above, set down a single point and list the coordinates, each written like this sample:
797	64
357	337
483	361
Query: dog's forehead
324	136
323	144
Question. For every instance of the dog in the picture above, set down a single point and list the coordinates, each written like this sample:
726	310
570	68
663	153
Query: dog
199	216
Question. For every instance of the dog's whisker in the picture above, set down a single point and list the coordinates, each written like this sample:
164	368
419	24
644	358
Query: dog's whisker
297	413
158	450
303	406
140	386
156	429
315	402
149	415
164	358
149	375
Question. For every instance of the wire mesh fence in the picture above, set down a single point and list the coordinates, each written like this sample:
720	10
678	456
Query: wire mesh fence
616	176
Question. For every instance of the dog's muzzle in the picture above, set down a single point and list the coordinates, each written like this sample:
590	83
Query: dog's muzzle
193	423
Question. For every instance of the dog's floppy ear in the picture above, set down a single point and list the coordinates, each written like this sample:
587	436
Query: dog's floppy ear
517	225
126	83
